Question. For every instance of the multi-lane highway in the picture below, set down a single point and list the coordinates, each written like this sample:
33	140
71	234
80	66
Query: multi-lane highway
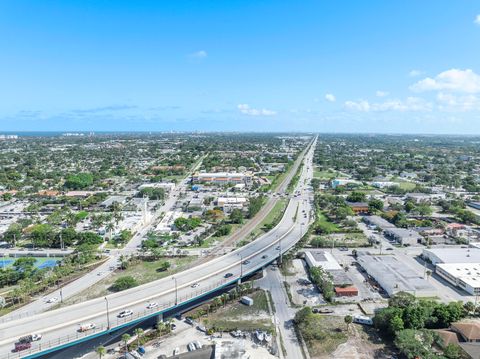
60	327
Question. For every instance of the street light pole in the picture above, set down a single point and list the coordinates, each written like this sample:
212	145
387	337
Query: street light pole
108	314
176	291
241	266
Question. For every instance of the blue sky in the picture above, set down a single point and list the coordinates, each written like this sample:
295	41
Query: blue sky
403	66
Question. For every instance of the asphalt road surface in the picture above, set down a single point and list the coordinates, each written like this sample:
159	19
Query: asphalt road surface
61	326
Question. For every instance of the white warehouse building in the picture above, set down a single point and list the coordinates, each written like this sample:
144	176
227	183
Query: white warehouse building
463	275
452	255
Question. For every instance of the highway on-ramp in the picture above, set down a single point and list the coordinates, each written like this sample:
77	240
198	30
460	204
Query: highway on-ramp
60	327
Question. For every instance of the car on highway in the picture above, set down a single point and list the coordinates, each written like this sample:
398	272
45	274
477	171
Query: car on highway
30	338
277	248
52	300
389	249
125	313
264	256
86	327
246	262
195	285
22	346
152	305
228	275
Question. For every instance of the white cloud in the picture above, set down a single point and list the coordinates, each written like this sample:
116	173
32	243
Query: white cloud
477	20
360	105
415	73
201	54
330	97
382	93
410	104
452	102
454	80
247	110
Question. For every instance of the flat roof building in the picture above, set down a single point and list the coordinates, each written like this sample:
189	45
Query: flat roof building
452	255
463	275
394	276
378	222
405	237
222	178
322	259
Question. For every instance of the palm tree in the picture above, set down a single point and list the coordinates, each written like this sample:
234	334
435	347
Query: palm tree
224	299
348	320
109	228
139	333
125	338
101	351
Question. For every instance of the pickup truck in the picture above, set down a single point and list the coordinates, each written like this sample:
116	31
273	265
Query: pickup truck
30	338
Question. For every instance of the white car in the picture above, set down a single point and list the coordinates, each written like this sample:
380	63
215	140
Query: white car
36	337
86	327
52	300
152	305
176	351
125	313
195	285
191	347
197	344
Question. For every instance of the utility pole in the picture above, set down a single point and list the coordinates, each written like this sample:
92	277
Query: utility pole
108	314
176	291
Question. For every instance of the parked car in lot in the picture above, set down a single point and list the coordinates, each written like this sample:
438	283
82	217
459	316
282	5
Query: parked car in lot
197	344
176	351
322	310
191	347
201	328
86	326
189	320
125	313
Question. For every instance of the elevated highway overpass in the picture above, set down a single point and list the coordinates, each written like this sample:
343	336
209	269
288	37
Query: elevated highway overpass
60	327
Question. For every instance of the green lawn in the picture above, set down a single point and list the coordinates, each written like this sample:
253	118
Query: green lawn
143	272
407	186
323	334
240	316
275	213
325	223
325	175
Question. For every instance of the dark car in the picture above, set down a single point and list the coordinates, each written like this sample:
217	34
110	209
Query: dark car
228	275
22	346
